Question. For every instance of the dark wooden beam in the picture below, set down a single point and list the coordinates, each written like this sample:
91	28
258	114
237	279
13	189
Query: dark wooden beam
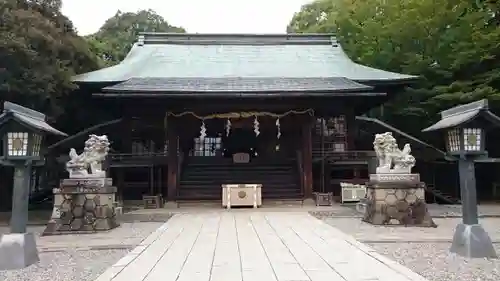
307	126
172	174
158	106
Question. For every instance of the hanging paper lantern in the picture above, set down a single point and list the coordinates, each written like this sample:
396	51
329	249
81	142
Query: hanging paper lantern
256	126
203	130
228	127
278	127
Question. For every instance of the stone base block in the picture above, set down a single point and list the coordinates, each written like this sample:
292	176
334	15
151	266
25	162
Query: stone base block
119	211
82	209
171	205
308	202
361	207
394	178
397	203
94	182
323	198
472	241
18	251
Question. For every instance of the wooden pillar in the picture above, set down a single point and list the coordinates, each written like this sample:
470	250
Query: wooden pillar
126	134
120	183
352	130
172	175
307	156
352	134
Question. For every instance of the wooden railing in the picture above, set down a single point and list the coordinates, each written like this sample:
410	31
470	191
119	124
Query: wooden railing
134	159
352	155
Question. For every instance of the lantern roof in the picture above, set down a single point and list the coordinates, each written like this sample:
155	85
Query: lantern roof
462	114
27	117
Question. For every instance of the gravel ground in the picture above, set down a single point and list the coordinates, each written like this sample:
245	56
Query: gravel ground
426	250
436	263
80	257
435	210
67	265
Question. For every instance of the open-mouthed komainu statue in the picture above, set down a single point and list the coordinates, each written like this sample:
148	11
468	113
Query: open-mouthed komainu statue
390	158
90	160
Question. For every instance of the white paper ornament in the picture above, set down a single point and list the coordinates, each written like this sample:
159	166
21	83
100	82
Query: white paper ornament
203	130
228	127
278	127
256	126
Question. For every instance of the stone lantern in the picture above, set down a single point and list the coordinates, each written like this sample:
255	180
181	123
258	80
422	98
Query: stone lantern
22	132
464	128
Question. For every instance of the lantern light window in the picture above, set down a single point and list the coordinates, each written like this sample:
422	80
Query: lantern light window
472	139
37	142
17	144
454	140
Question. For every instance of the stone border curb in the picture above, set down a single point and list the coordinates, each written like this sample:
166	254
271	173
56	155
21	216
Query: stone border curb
124	218
115	269
333	215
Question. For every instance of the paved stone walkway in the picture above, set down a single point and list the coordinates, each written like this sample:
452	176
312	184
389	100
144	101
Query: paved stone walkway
253	246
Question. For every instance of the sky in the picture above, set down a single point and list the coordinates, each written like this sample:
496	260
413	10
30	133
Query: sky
196	16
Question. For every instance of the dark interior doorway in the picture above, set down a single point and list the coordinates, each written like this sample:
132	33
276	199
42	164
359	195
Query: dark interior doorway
241	140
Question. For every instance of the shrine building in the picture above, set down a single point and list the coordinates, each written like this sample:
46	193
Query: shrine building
190	102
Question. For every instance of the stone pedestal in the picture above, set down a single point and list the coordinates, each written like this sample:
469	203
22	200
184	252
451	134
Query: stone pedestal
472	241
17	251
396	199
83	206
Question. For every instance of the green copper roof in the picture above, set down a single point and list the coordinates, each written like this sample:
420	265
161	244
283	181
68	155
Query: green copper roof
159	55
238	85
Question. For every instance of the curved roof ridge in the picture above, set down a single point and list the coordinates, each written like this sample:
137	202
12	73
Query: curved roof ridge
235	38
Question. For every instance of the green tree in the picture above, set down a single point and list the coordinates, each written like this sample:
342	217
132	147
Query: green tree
452	45
315	17
39	53
115	38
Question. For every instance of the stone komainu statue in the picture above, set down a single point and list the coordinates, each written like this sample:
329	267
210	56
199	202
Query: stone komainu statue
390	158
89	162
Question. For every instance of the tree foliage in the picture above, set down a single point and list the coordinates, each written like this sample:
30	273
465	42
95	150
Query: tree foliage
39	52
115	38
453	45
315	17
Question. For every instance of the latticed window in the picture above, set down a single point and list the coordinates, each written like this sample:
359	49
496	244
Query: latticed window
338	146
208	146
143	147
472	139
334	133
454	140
331	126
17	144
37	142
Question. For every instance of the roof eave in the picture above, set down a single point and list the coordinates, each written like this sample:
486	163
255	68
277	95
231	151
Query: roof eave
390	81
238	94
237	91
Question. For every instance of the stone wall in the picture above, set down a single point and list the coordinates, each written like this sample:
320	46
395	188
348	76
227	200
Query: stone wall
401	204
82	211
